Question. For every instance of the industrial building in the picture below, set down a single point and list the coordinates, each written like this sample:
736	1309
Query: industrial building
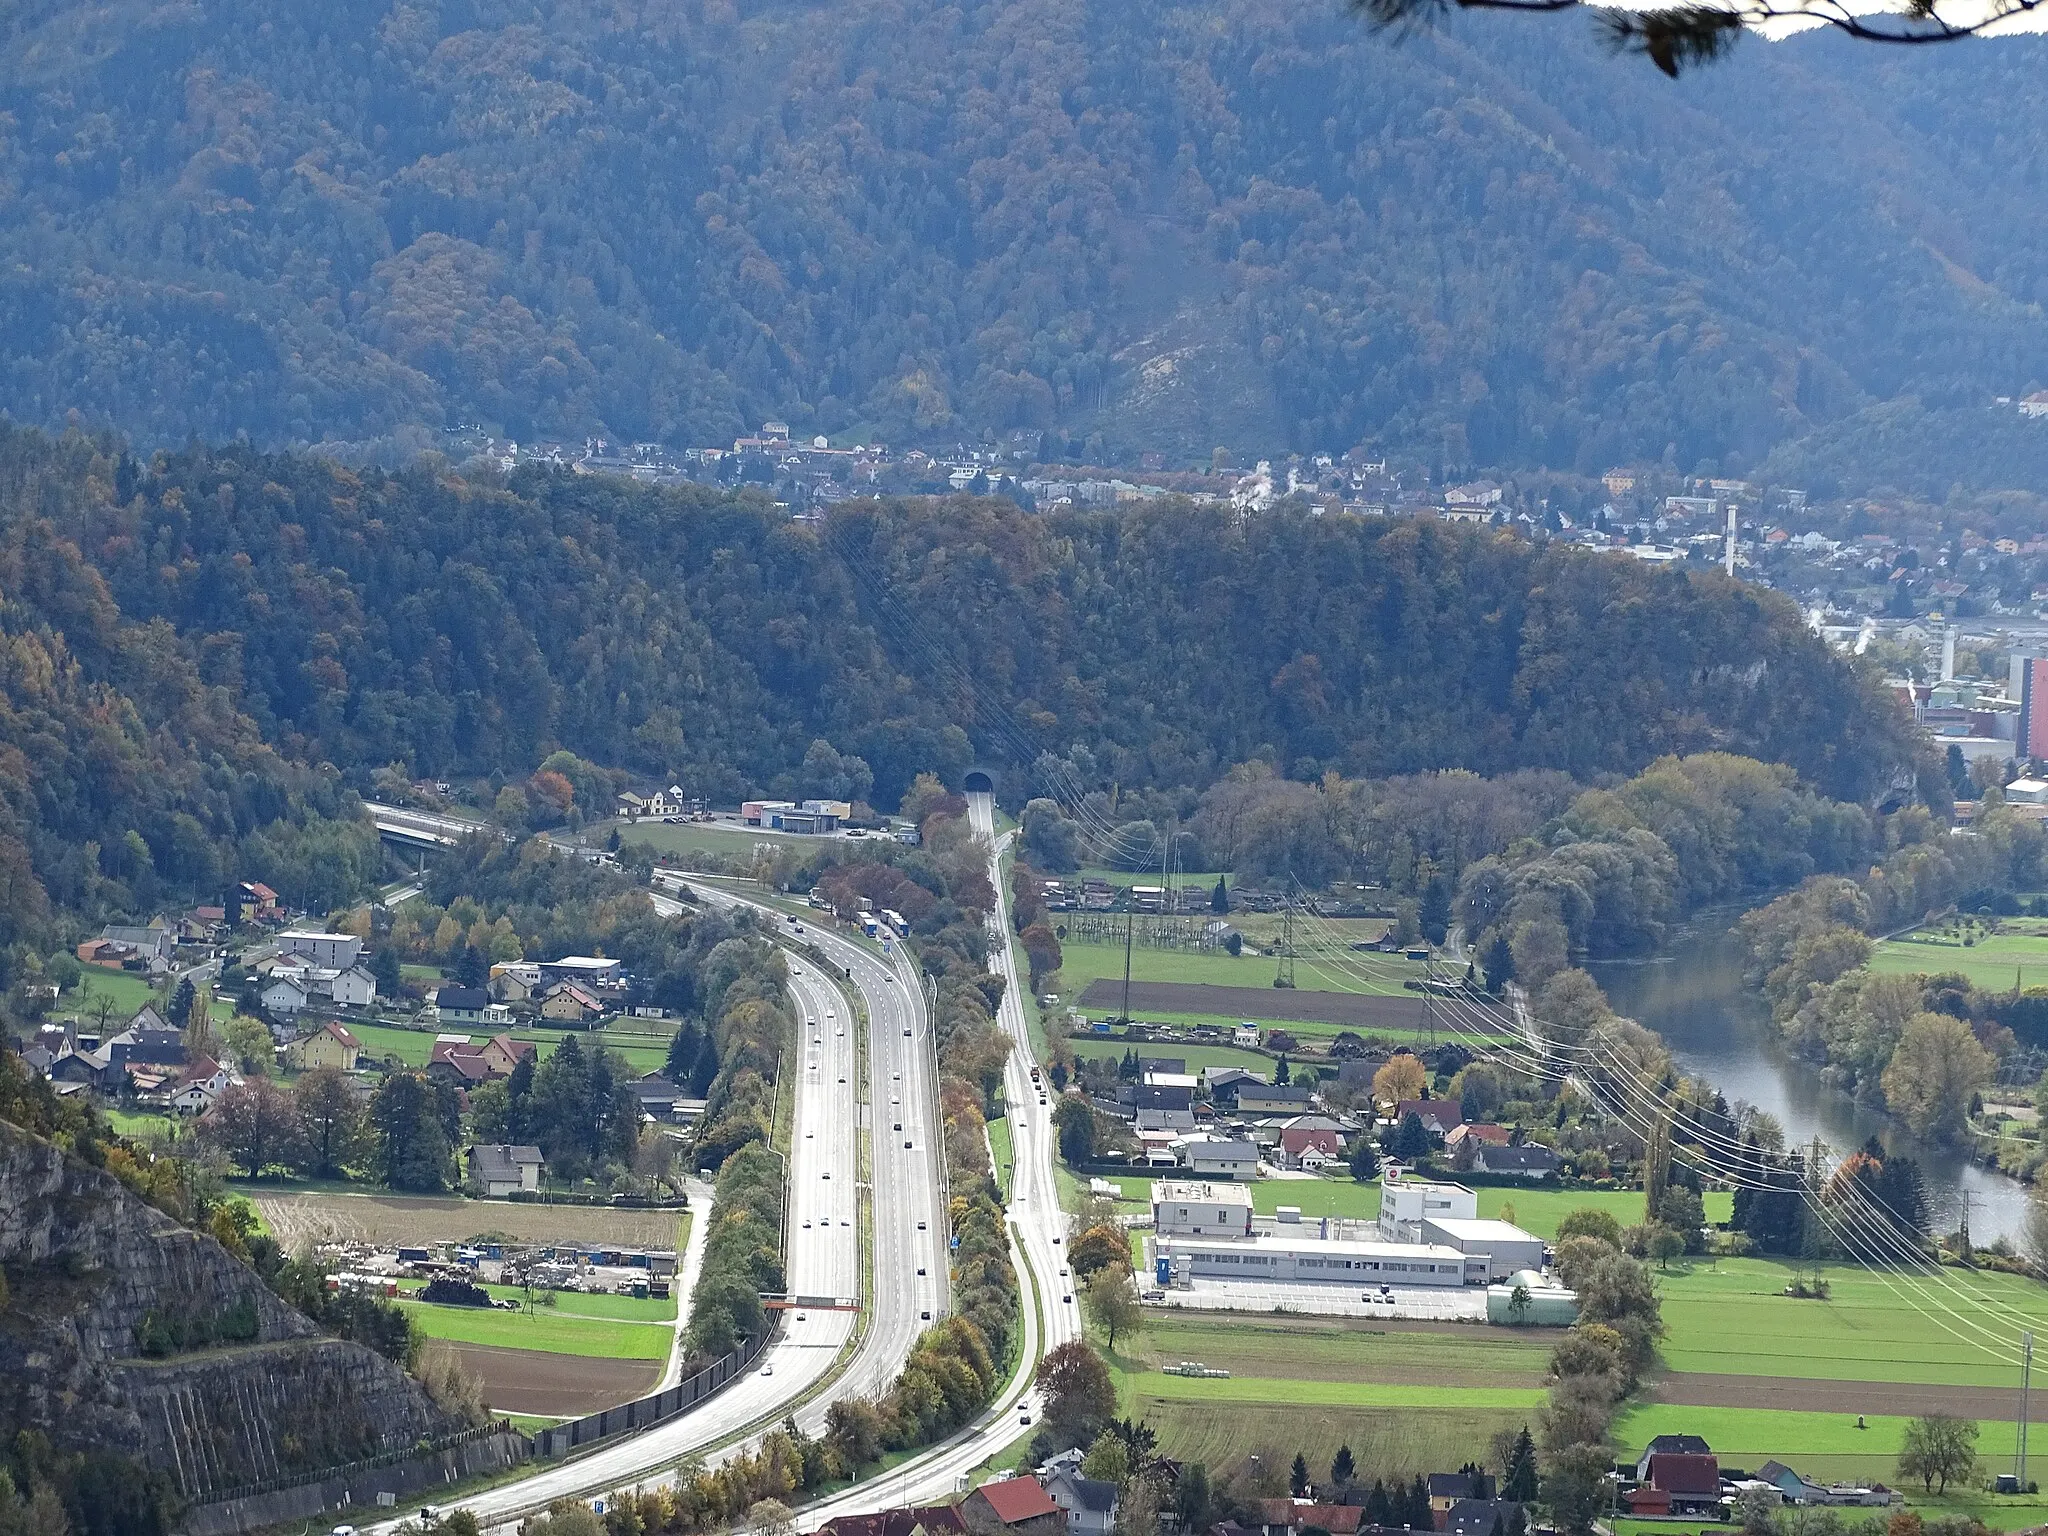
1189	1208
1406	1203
1505	1246
1309	1257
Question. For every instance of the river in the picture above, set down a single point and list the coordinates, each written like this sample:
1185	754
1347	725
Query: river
1721	1031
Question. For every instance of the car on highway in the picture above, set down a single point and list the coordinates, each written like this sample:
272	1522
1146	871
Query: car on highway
802	1318
1023	1415
898	1126
920	1269
828	1173
807	1226
768	1370
1069	1300
908	1147
920	1226
926	1316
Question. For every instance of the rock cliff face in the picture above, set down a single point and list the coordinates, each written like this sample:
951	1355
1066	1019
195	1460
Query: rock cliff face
91	1267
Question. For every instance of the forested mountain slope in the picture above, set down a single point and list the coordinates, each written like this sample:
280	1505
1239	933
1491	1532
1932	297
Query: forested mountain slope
1172	225
454	629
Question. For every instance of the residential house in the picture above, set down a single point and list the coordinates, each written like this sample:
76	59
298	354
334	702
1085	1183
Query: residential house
1012	1506
461	1005
89	1069
259	903
503	1053
1670	1445
1464	1140
204	1081
287	994
331	1045
1439	1117
128	948
1224	1082
516	981
1310	1141
147	1040
1447	1488
1274	1098
1532	1162
1682	1485
500	1170
570	1002
1481	1517
657	1096
1222	1159
914	1520
1090	1503
353	987
1290	1517
335	951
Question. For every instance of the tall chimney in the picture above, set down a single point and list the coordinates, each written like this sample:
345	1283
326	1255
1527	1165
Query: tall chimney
1948	654
1728	552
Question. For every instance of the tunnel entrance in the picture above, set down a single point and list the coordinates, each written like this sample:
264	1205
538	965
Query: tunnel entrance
979	783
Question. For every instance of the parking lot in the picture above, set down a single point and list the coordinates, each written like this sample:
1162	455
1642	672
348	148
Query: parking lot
1414	1303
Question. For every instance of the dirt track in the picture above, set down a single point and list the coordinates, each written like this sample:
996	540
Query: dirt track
1357	1010
297	1219
1901	1399
561	1386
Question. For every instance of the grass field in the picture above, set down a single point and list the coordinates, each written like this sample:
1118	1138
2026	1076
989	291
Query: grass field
1099	1048
1405	1402
624	1309
1005	1159
1733	1319
695	837
1992	963
549	1329
128	993
1081	963
413	1046
1822	1445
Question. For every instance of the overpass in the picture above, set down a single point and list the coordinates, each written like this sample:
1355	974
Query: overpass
422	829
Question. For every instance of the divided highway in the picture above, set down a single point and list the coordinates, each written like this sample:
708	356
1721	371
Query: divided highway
835	1124
1038	1232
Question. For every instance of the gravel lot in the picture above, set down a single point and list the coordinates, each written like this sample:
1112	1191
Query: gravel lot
303	1219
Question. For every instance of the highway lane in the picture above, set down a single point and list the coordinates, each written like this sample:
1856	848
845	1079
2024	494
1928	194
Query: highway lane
911	1280
1038	1234
823	1259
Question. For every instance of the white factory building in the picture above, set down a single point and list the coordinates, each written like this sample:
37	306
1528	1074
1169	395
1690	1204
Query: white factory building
1193	1208
1309	1257
1505	1247
1207	1231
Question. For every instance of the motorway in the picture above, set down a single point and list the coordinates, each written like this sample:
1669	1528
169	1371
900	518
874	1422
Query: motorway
823	1247
1038	1231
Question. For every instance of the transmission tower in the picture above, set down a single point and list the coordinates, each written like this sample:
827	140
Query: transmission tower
1283	975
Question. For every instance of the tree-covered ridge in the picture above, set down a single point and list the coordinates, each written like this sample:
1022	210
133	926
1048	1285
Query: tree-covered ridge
127	777
367	619
1159	225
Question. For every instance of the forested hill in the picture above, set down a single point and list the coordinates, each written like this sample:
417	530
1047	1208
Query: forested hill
364	620
1170	225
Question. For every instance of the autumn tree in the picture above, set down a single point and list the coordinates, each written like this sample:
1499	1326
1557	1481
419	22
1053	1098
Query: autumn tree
1403	1077
255	1124
1937	1069
330	1122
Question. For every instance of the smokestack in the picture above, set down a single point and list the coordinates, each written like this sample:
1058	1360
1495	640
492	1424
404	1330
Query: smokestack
1948	654
1728	553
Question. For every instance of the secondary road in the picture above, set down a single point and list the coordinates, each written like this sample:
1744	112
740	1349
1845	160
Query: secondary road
1038	1233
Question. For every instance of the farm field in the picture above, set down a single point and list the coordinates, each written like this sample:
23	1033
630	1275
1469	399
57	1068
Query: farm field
1401	1400
1082	962
546	1329
555	1386
1992	962
1732	1319
381	1218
